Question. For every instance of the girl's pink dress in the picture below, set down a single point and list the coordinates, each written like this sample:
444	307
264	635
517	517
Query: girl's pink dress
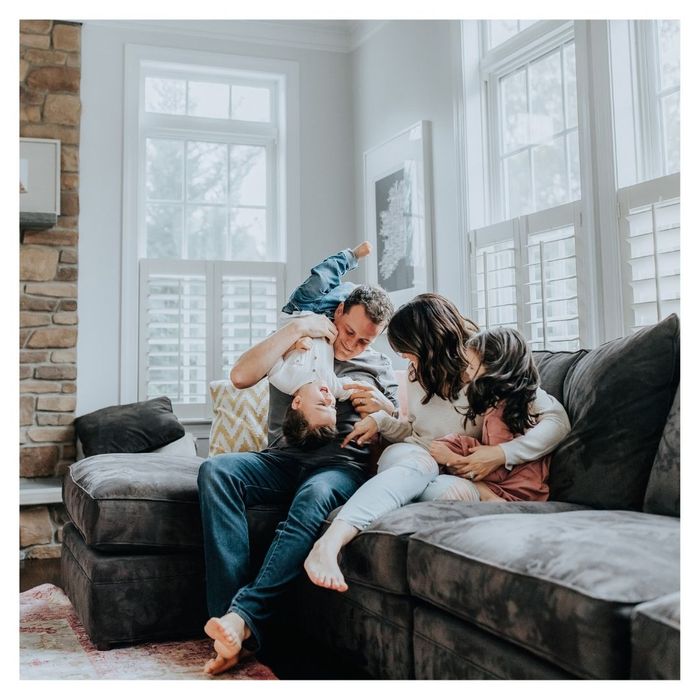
524	482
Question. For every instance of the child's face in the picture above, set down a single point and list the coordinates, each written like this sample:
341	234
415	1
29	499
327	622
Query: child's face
316	404
475	366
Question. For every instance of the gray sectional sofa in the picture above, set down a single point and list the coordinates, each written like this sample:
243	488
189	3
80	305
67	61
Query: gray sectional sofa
585	585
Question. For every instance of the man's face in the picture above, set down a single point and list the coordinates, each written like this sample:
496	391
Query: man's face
356	332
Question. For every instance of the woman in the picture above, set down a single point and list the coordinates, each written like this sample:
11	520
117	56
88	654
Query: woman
432	335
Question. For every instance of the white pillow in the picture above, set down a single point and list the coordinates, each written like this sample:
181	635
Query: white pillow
240	417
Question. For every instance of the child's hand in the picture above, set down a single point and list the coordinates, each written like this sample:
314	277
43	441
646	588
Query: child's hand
441	453
363	431
304	344
362	250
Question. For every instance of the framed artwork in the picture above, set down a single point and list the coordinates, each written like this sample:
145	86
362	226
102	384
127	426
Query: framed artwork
398	213
40	176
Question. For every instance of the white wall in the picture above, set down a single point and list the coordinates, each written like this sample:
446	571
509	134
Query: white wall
326	177
403	73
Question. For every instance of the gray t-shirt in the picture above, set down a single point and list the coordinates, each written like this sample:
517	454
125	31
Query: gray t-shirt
371	367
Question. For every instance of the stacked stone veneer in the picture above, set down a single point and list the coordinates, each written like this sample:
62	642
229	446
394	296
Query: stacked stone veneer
49	108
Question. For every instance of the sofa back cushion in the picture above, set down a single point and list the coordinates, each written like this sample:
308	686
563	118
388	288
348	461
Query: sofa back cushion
618	397
553	368
663	495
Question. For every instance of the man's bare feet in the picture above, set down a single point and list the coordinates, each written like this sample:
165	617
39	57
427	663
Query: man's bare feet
322	567
228	632
362	250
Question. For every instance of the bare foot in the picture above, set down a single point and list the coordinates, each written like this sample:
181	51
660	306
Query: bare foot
322	567
362	250
228	632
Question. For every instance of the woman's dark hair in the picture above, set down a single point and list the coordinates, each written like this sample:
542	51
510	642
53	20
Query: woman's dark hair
431	328
510	375
299	433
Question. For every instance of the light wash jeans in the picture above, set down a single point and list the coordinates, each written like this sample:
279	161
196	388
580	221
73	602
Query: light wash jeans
403	472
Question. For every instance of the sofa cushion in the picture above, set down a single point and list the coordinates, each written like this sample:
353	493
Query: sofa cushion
562	585
240	417
656	639
377	557
133	427
553	368
618	397
663	495
147	502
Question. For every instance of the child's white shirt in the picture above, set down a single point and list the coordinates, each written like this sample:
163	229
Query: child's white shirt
304	366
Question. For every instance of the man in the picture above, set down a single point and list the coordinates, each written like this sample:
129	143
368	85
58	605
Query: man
315	481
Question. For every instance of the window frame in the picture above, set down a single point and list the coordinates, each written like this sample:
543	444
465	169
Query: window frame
286	186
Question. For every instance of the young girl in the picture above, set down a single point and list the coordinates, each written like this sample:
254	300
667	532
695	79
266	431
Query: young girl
432	335
503	383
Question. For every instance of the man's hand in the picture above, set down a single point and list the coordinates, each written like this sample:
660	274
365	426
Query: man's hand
363	432
368	399
442	454
316	326
480	462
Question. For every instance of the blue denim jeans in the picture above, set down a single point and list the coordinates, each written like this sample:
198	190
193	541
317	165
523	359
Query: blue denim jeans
228	484
322	291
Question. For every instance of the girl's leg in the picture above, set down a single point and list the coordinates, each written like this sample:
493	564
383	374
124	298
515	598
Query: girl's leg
403	472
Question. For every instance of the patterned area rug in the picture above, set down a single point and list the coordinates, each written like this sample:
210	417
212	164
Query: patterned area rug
55	646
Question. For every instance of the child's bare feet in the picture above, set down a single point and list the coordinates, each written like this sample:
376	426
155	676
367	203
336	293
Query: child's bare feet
228	632
362	250
322	567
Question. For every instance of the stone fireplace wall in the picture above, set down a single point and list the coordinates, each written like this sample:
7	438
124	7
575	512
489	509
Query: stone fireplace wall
49	108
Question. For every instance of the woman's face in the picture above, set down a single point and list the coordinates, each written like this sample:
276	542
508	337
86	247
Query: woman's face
413	359
475	367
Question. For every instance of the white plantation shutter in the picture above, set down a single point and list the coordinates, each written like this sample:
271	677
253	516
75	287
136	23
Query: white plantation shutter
196	319
524	275
650	229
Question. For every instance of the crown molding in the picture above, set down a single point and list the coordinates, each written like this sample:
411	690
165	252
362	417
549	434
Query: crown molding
341	36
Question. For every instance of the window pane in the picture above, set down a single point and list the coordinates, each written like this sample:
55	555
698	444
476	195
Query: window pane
671	116
517	183
669	53
250	103
206	229
207	100
206	171
500	30
515	118
550	174
574	166
570	85
248	234
164	161
163	231
165	96
546	98
248	175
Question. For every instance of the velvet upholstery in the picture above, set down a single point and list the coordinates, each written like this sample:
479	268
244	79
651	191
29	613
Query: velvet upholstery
656	639
371	629
553	368
562	585
129	598
133	427
617	398
445	648
663	494
377	557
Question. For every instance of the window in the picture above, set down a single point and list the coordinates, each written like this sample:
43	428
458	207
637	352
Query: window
573	232
208	158
524	265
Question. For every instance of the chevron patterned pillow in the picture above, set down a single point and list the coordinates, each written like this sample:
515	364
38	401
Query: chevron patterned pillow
240	418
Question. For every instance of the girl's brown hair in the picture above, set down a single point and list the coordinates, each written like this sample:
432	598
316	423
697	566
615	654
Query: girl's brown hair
431	328
510	375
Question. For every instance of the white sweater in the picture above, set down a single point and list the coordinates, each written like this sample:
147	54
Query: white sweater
437	418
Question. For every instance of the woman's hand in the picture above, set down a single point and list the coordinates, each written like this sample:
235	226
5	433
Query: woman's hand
363	432
480	462
368	399
442	454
